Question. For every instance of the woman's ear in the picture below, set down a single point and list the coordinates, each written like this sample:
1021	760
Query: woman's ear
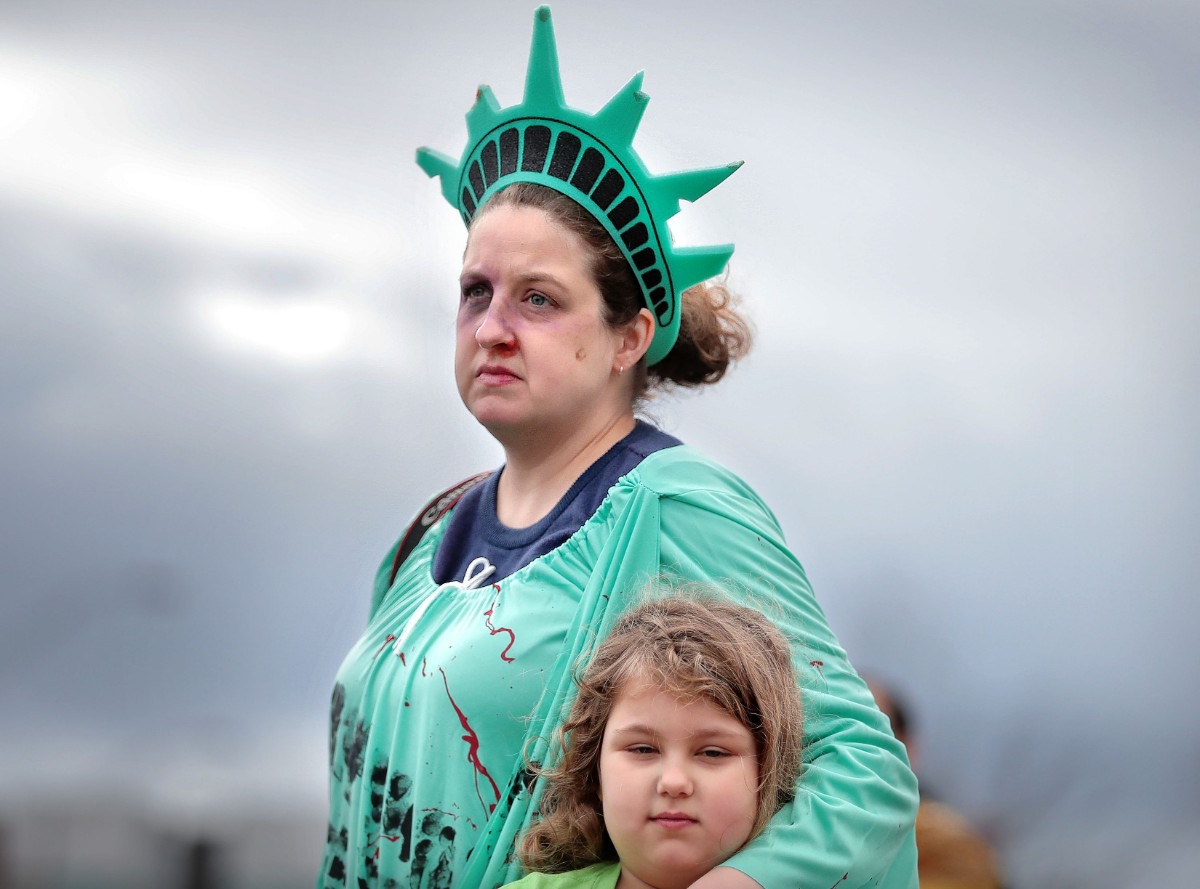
634	341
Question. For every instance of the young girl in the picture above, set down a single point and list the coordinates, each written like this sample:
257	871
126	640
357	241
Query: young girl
684	740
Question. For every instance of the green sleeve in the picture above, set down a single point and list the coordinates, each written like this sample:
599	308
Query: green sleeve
851	823
383	578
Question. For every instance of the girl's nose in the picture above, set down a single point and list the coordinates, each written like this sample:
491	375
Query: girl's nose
675	780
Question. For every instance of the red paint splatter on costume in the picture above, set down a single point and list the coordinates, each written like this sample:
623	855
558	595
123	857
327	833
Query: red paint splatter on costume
818	665
386	642
472	740
844	878
495	631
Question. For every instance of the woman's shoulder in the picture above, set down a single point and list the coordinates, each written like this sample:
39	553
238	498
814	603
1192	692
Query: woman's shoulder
691	487
682	469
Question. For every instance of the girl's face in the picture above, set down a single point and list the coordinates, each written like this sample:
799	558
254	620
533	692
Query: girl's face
678	786
533	353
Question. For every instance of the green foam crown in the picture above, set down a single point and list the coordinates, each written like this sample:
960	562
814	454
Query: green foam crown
591	159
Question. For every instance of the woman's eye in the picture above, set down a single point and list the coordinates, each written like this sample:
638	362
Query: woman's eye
641	749
714	753
539	299
474	291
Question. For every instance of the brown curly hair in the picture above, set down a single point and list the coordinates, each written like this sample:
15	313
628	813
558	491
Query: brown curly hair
713	334
694	647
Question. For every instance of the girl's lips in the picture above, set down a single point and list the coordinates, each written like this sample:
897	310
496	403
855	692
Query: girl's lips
673	820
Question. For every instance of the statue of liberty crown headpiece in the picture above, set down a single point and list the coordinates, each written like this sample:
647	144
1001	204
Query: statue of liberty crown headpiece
589	158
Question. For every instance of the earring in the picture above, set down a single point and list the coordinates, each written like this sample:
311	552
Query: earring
620	370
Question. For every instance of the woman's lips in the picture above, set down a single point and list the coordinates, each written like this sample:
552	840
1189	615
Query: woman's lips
495	375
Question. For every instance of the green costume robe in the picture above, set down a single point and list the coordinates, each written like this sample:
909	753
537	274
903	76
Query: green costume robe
452	688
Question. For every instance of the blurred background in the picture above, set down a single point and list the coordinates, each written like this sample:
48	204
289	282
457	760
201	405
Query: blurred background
967	234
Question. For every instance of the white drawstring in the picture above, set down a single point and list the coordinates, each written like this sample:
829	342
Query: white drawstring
477	572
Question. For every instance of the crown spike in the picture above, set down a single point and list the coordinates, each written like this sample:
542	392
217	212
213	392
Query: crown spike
695	264
689	185
434	163
485	108
543	83
623	113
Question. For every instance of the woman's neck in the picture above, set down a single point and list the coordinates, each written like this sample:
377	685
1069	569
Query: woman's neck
541	468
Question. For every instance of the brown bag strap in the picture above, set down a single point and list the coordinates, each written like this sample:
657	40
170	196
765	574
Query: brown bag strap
428	517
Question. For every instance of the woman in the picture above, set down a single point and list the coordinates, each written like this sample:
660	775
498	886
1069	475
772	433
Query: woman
572	304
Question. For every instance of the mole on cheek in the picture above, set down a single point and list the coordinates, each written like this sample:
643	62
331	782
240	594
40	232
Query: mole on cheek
581	354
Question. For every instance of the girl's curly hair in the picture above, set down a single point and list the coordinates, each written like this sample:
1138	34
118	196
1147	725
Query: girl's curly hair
695	648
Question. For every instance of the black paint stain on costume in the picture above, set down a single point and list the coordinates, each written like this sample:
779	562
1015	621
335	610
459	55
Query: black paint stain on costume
398	814
336	704
434	854
337	870
379	776
338	838
354	746
443	875
370	868
523	781
337	842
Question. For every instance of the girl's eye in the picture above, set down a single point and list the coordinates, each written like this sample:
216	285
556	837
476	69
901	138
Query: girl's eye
641	749
714	753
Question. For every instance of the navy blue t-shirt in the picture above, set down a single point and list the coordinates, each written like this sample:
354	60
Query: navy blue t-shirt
475	531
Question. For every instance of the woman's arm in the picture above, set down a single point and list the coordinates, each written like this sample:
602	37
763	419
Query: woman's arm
725	878
851	823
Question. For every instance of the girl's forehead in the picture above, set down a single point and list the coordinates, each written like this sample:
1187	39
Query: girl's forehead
680	690
650	712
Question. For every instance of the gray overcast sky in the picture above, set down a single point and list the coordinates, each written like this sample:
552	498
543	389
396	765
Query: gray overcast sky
967	236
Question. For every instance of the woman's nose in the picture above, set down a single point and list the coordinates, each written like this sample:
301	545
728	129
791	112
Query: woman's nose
495	331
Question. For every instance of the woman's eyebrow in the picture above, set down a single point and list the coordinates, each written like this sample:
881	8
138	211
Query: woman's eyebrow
537	277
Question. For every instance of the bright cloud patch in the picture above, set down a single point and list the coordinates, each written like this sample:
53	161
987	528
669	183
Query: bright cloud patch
298	331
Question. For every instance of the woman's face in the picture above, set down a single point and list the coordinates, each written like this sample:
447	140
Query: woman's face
533	353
